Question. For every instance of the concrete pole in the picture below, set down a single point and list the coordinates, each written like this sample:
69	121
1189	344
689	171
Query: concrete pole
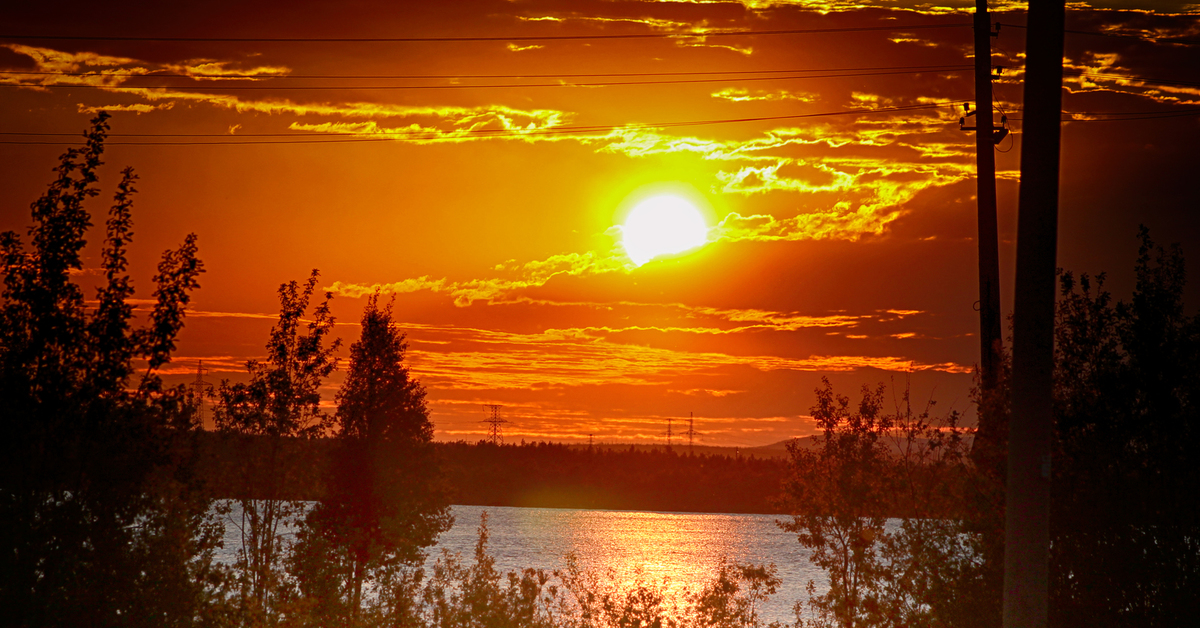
985	160
1027	515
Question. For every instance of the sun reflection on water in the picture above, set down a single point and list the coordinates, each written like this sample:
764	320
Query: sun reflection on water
682	551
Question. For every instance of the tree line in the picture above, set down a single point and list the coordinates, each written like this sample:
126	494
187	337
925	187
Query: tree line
109	515
536	474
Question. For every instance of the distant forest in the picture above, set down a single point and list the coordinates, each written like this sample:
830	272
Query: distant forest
545	475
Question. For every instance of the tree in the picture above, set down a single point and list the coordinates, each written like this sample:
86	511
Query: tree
1125	532
280	404
838	495
877	500
101	520
385	499
1124	529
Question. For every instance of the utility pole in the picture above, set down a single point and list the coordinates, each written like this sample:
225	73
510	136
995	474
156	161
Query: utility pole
200	388
691	432
1027	499
495	434
986	137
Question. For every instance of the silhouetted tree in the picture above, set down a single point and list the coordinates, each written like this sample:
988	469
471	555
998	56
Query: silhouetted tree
280	403
867	466
101	522
1125	529
385	499
838	493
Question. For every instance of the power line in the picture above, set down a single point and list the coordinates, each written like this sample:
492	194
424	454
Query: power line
485	133
948	68
716	77
746	33
504	133
1069	116
1158	40
471	76
1132	77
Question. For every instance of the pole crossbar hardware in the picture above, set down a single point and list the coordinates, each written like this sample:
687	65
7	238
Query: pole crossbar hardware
998	132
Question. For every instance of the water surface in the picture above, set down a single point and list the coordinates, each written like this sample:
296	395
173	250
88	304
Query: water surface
683	548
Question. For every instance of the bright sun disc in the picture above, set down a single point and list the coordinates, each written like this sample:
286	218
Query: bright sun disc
662	225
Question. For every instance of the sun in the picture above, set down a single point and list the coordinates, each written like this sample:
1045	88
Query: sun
662	225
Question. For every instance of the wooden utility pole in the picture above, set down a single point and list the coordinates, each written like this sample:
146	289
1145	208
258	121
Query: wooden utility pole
1027	501
990	343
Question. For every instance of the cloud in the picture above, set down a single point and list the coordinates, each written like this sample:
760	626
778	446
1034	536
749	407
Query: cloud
445	123
531	275
741	94
138	108
216	70
481	359
691	33
113	74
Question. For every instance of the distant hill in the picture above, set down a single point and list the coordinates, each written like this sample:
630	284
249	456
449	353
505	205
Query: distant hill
812	442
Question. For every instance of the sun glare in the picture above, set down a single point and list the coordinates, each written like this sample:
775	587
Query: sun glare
662	225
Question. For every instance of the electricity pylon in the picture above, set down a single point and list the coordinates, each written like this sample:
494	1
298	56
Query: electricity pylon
495	432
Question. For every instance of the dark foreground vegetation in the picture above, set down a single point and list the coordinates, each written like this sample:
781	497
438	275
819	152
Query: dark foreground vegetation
109	515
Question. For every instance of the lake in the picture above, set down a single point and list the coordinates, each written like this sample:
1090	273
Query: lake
684	548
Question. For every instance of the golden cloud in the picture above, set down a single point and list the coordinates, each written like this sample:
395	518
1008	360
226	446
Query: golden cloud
691	34
533	274
563	358
215	70
741	94
137	108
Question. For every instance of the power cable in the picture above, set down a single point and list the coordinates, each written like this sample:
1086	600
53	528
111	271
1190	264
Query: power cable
475	76
1158	40
485	133
485	86
748	33
1122	116
1114	116
1131	77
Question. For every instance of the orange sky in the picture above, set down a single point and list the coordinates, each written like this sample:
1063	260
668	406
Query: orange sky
840	245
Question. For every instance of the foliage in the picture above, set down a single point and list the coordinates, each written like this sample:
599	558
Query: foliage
477	595
384	498
866	466
1125	534
839	494
101	519
1123	529
280	402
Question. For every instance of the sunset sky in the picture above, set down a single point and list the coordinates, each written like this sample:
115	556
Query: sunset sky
478	159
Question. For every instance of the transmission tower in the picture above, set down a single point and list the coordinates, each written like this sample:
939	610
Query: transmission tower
691	432
670	433
200	388
495	432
